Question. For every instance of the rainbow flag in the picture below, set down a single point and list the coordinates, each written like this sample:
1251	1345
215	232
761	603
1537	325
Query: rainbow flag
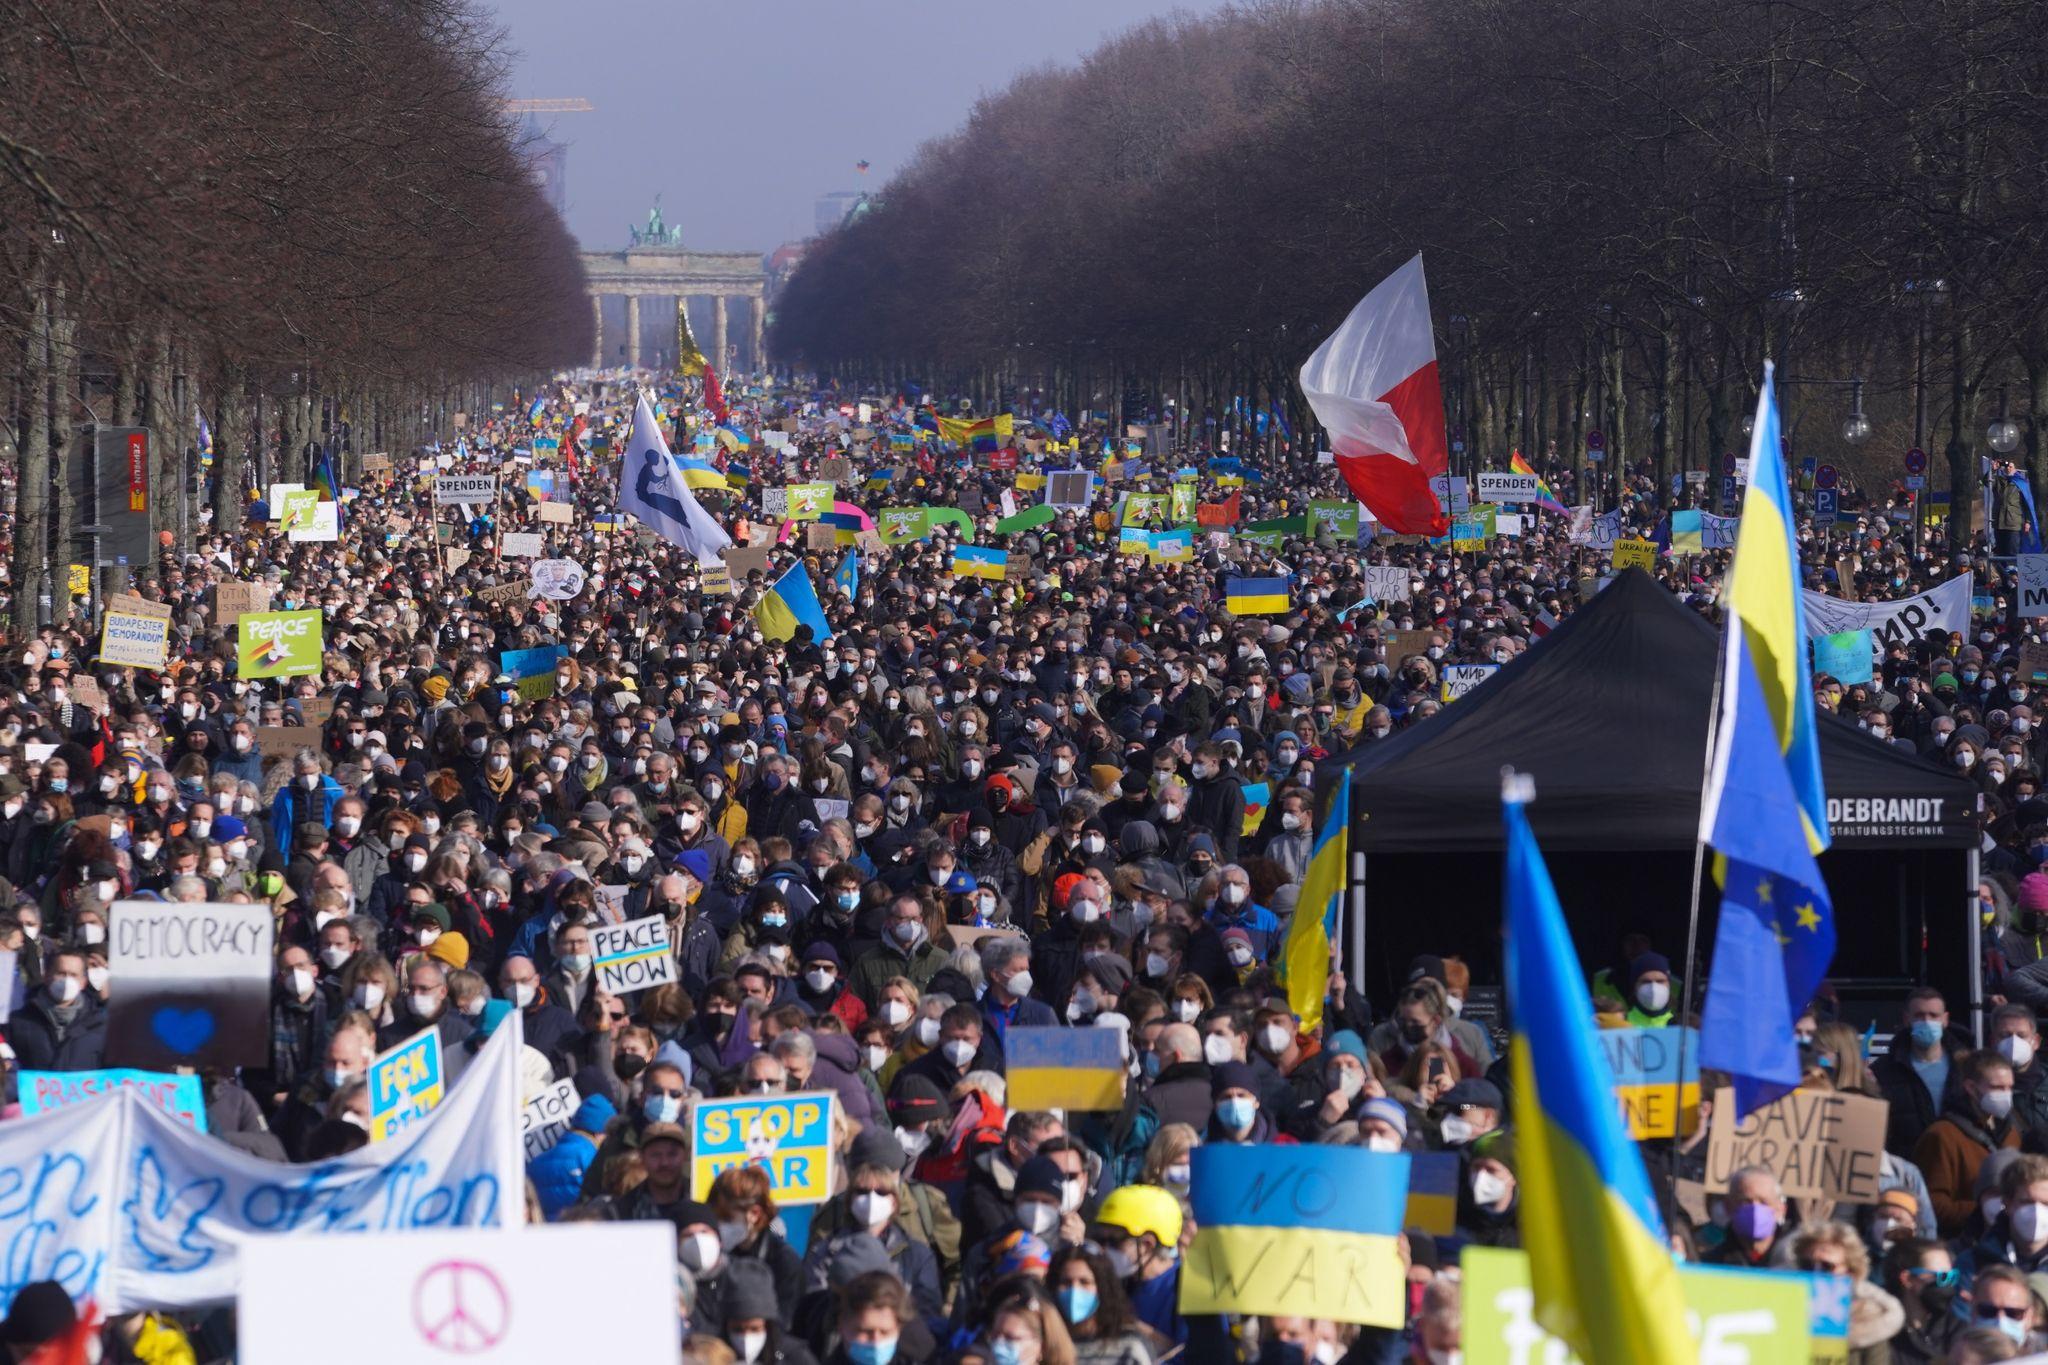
1589	1220
977	561
1545	499
983	435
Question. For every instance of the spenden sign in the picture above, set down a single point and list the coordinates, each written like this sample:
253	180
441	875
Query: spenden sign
1495	487
457	488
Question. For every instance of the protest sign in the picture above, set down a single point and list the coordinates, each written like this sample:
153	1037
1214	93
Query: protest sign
523	545
1495	487
1403	644
431	1298
135	641
1647	1078
742	560
78	580
545	1118
633	956
278	493
451	489
279	644
126	1205
1847	656
321	526
518	590
836	470
1309	1231
1069	489
1385	583
2034	585
820	536
1433	1181
405	1084
376	462
555	514
808	501
136	605
557	580
179	1097
1633	553
1818	1143
1340	515
87	692
2034	662
788	1136
1064	1068
714	579
316	710
532	670
230	600
775	503
1757	1316
1944	607
276	742
195	984
299	508
1458	679
899	525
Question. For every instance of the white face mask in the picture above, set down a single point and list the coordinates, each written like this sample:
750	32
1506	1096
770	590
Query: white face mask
2029	1223
928	1031
1217	1049
1383	1142
369	995
894	1012
1653	996
872	1210
1187	1010
1488	1188
877	1057
302	982
1276	1037
959	1052
1456	1130
2016	1050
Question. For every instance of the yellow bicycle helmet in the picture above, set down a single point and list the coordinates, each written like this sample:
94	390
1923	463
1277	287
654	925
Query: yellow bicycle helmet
1139	1209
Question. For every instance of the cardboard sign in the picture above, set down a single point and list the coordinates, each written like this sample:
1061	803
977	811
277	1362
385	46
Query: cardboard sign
968	935
518	590
1064	1068
819	536
2034	662
429	1297
634	956
376	462
316	710
136	605
405	1084
1403	643
523	545
195	984
742	560
231	600
279	644
275	742
714	580
1656	1099
1385	583
86	692
178	1096
135	641
452	489
545	1118
837	470
1757	1316
1819	1144
1458	679
556	514
789	1136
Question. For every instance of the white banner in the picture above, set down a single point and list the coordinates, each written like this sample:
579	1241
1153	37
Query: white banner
1945	606
557	580
523	545
1385	583
454	488
1718	533
2033	585
1498	487
1599	532
117	1201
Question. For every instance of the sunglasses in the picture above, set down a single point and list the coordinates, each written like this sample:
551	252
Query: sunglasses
1985	1312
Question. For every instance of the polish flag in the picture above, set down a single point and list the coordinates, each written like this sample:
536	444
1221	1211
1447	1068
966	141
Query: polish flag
1373	386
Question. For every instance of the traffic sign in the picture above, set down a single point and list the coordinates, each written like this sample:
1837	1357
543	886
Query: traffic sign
1596	439
1916	483
1728	463
1825	476
1916	461
1825	505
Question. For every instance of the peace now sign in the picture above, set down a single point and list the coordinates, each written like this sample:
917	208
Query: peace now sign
438	1298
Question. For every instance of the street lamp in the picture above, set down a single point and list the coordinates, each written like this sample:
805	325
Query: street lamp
1856	427
2003	434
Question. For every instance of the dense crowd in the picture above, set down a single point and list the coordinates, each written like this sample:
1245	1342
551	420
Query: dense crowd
1081	796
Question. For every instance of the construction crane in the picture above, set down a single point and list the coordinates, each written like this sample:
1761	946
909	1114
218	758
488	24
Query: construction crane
577	105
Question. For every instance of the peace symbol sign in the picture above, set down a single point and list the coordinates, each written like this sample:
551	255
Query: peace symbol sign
461	1307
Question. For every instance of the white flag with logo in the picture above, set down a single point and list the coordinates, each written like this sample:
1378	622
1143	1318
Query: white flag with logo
651	488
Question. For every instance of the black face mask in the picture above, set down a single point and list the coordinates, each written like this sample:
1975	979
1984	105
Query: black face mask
718	1024
1413	1030
627	1065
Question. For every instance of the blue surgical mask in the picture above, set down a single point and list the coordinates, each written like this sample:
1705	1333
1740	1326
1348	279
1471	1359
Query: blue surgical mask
1077	1302
1005	1352
871	1353
661	1108
849	900
1237	1114
1926	1032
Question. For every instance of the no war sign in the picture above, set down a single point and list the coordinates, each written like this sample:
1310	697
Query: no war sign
789	1136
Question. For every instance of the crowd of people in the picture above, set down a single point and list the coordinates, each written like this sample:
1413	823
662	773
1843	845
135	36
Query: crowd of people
1082	796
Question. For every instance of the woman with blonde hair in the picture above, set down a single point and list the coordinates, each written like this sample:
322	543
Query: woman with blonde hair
1166	1159
1838	1050
1025	1327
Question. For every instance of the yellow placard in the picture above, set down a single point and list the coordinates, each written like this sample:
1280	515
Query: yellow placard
1635	554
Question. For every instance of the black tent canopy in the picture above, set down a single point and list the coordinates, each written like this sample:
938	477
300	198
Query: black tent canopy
1609	714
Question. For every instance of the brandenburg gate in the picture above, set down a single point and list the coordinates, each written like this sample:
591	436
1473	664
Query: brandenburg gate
656	265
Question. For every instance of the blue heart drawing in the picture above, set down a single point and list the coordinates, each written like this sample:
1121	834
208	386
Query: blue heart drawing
182	1030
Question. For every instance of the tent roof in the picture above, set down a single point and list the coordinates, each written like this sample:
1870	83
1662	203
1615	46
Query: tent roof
1609	714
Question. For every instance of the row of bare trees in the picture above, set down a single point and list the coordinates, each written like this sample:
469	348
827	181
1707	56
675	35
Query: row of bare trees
305	219
1625	206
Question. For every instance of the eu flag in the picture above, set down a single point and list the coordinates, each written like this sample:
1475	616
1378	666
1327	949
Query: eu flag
1777	930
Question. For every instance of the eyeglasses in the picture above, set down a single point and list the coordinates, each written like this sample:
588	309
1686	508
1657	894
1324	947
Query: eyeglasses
1985	1312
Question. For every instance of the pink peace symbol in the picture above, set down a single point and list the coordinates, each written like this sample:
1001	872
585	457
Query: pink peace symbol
461	1307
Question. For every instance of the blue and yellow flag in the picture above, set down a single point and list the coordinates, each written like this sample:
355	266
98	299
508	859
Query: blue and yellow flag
847	575
1763	592
1257	596
1305	952
1298	1231
978	561
791	601
1598	1255
700	475
1776	935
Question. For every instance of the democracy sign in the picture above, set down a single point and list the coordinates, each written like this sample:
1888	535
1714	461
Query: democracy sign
1307	1231
577	1291
789	1136
450	489
1656	1078
195	984
279	644
134	641
1944	607
1757	1316
545	1118
405	1084
178	1096
1822	1144
632	956
123	1204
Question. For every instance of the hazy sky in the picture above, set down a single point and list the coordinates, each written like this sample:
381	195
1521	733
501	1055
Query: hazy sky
741	113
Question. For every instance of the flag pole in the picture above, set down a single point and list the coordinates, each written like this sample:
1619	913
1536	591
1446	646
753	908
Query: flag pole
1699	860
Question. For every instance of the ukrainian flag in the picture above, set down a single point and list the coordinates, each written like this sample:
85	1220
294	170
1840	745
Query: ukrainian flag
1305	1231
791	601
1763	592
1054	1067
1257	596
1599	1260
977	561
700	475
1305	952
732	438
845	526
605	522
